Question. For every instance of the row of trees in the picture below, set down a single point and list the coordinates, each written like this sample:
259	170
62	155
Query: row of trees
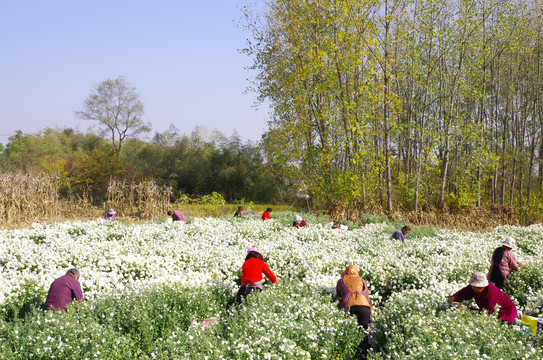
405	102
195	164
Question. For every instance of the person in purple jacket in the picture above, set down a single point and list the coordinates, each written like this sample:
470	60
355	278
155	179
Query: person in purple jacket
63	290
177	215
487	296
110	215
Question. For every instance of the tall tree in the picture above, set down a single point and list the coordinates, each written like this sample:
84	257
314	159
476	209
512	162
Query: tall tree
117	107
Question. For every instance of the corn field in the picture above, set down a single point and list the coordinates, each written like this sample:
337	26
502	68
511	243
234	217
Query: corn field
27	197
144	200
34	197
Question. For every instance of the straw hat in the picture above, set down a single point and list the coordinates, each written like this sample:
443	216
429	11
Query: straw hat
478	279
508	242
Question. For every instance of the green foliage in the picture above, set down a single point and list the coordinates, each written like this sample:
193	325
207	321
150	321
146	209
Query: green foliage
418	326
165	323
212	199
29	300
526	285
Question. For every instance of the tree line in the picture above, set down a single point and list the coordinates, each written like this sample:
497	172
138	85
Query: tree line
193	165
404	103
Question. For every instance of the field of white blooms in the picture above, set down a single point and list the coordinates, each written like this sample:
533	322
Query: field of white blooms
123	266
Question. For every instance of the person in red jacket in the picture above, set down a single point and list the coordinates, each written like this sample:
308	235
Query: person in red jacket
266	214
251	274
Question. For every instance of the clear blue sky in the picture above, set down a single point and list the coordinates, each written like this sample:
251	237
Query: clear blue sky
182	57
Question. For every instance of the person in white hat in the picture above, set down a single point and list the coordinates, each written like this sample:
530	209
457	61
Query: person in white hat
487	296
298	221
502	262
110	215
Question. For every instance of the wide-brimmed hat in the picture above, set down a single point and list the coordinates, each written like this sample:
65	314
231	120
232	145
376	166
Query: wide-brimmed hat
111	212
297	219
478	279
508	242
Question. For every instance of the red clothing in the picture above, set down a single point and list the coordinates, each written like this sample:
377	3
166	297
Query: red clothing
488	299
509	263
301	224
178	216
265	215
63	290
252	270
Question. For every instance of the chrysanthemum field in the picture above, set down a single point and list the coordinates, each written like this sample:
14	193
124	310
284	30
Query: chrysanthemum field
149	287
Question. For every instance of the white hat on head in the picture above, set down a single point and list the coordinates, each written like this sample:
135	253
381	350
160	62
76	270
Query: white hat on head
111	212
478	279
508	242
297	218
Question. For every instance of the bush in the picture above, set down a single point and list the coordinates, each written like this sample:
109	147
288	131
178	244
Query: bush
418	325
526	285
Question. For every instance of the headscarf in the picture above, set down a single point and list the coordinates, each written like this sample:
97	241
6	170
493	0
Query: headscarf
352	284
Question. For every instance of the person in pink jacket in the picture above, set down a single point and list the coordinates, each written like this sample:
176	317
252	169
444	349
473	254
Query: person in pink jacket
503	261
177	215
487	296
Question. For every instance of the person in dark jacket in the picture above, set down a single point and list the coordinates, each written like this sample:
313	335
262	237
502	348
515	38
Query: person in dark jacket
251	274
238	212
401	233
502	262
63	290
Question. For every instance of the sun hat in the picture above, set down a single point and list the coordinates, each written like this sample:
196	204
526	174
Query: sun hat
251	250
297	219
111	212
508	242
478	279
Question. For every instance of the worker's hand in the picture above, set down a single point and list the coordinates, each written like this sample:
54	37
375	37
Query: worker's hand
461	307
520	264
450	300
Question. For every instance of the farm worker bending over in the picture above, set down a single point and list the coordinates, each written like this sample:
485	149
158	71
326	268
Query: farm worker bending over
177	215
110	215
266	214
63	290
354	296
298	221
401	233
238	212
355	299
503	261
337	225
251	274
487	296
